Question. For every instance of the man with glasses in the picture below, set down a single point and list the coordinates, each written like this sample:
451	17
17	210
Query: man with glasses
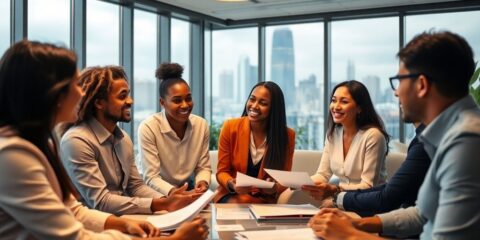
432	87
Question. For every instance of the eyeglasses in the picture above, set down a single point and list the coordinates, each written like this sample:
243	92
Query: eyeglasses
395	80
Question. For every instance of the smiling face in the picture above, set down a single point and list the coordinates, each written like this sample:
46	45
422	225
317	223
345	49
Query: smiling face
178	103
258	104
343	108
118	106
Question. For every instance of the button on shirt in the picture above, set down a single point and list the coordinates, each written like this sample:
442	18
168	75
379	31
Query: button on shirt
102	168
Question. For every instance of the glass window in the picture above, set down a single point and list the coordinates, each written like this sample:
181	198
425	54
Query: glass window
294	60
144	65
367	54
233	74
180	43
4	26
103	29
49	21
443	21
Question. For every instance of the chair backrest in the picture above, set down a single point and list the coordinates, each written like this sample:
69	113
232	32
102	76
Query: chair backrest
214	162
306	161
393	162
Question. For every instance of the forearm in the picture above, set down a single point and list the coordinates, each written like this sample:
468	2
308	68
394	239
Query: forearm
369	224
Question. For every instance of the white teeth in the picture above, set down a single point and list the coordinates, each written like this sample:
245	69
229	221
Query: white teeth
253	113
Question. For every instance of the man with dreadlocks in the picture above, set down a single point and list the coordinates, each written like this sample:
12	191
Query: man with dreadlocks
98	155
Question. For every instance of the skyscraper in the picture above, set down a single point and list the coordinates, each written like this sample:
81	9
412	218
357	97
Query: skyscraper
283	64
226	84
247	77
350	70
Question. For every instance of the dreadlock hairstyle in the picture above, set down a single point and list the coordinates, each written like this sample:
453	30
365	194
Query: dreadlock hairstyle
33	78
277	135
96	83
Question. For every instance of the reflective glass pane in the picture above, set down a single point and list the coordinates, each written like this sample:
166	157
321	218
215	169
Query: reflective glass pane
144	65
103	27
234	72
294	60
466	24
180	43
4	26
365	50
49	21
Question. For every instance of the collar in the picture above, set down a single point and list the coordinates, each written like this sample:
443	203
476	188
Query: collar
165	125
434	132
102	133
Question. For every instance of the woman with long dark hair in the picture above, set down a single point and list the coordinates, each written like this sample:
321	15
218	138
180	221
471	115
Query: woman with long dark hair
356	142
38	90
259	139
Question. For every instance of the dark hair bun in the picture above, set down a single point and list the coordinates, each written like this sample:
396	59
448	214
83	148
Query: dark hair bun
169	71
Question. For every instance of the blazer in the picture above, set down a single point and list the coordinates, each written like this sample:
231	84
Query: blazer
31	203
233	150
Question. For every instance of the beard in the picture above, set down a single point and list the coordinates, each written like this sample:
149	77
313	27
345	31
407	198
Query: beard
117	117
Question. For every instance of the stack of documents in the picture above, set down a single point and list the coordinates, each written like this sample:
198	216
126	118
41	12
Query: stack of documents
285	213
284	234
174	219
290	179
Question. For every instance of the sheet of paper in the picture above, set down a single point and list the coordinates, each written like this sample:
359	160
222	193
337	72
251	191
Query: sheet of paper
229	227
271	210
247	181
290	179
233	213
284	234
172	220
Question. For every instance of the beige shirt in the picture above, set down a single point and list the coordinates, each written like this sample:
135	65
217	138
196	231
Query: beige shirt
257	152
167	161
102	167
363	166
30	199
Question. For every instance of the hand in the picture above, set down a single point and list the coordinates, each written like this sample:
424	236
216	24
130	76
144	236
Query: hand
141	228
327	203
330	223
133	227
320	191
194	230
178	199
240	190
201	187
180	190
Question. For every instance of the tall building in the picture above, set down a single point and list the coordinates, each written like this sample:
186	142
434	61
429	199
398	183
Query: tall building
283	64
226	84
350	70
372	82
247	77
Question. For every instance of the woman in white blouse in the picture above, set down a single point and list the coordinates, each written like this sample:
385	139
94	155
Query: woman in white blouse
356	141
38	89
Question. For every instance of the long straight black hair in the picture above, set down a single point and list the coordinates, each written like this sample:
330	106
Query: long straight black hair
277	135
367	117
33	78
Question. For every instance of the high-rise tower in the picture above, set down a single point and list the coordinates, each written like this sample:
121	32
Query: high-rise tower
283	63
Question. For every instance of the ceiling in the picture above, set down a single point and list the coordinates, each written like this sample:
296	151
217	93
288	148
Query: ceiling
253	9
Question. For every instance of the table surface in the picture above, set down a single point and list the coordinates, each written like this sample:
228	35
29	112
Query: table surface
248	224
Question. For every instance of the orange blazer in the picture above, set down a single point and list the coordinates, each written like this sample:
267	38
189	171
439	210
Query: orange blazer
233	150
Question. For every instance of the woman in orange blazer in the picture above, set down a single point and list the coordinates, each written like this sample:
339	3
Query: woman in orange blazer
259	139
